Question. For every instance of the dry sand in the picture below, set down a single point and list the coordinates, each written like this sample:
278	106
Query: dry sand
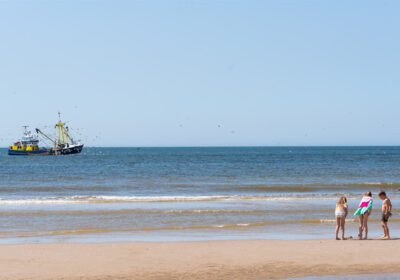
264	259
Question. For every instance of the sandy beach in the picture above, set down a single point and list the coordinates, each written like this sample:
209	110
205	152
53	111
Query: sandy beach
264	259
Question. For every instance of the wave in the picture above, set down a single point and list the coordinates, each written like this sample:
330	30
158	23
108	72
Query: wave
246	187
138	199
172	212
180	212
44	189
315	186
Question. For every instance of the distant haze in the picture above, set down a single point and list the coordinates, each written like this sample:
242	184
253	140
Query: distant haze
203	73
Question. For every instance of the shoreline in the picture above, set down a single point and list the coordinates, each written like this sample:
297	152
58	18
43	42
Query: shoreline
236	259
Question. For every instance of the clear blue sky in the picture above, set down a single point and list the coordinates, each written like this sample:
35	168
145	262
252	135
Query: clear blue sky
194	73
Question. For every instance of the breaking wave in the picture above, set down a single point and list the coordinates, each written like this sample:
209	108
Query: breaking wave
325	187
138	199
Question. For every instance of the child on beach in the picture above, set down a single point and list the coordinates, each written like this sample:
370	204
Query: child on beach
341	214
363	212
386	214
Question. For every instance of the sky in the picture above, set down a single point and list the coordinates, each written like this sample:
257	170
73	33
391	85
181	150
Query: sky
203	73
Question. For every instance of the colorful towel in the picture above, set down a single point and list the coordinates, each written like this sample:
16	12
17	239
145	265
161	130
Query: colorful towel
365	206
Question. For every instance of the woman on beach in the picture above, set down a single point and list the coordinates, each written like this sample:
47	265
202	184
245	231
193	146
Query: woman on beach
341	214
363	212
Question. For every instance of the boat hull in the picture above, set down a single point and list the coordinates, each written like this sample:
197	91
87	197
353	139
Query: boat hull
75	149
41	152
48	152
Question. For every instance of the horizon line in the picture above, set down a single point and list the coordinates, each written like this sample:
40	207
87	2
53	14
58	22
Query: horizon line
247	146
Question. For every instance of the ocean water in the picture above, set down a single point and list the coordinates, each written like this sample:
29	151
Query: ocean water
160	194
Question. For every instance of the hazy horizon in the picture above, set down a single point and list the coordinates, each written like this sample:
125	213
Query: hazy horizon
254	146
203	73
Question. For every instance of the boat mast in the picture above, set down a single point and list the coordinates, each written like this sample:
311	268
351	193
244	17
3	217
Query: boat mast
62	132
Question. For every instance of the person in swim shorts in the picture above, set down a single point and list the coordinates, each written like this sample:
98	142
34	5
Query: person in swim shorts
386	214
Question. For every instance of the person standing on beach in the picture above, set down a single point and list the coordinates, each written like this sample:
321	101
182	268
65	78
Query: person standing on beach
341	214
386	214
363	212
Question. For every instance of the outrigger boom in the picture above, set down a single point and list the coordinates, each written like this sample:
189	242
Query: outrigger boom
38	131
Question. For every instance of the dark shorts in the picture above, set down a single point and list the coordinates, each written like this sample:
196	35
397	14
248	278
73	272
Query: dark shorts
385	217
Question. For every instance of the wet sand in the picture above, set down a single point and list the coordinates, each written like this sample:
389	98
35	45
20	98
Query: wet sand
257	259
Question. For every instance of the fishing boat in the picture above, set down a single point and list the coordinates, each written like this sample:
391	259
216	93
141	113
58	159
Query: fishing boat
27	146
63	144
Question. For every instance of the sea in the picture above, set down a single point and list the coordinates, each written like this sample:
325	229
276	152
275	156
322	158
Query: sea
185	194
